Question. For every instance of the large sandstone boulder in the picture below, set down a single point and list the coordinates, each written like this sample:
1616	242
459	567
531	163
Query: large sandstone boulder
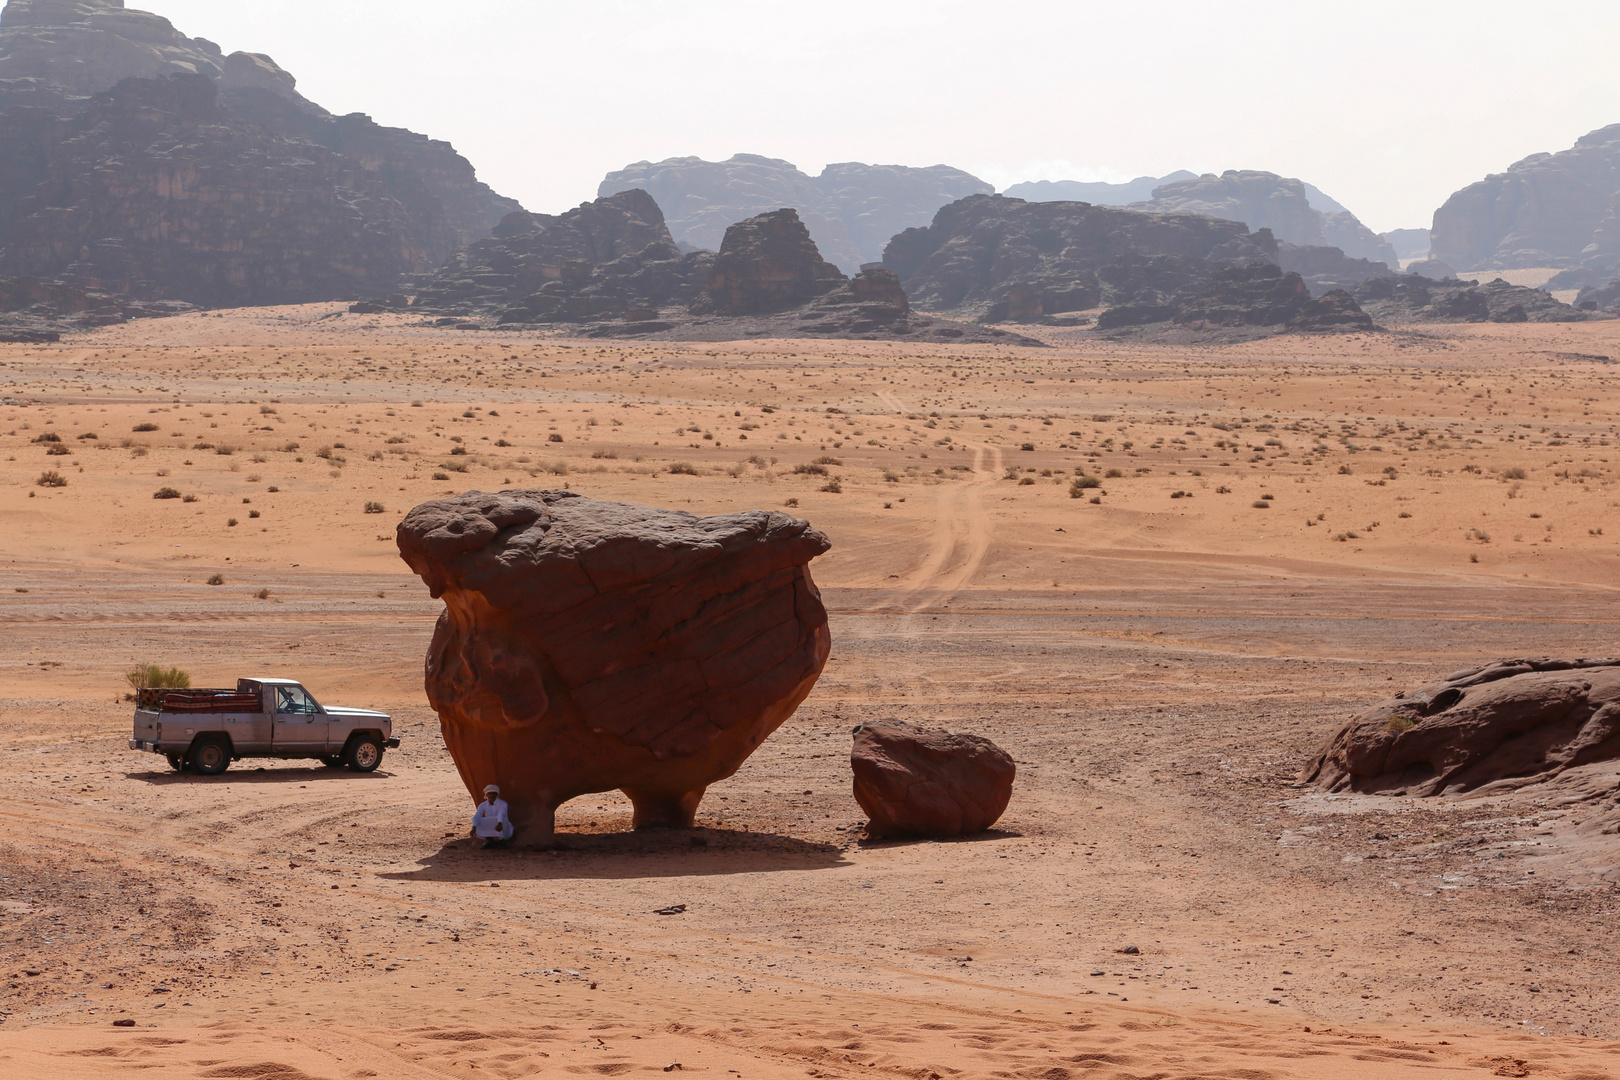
768	263
918	782
1514	720
589	646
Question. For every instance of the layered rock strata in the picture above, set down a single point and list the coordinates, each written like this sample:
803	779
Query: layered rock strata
589	646
1515	721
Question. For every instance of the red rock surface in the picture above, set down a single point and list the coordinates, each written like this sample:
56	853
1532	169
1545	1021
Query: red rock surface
916	782
588	646
1514	720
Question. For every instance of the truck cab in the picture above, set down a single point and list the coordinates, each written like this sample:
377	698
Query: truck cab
206	730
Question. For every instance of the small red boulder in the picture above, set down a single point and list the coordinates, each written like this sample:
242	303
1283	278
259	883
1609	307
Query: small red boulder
916	782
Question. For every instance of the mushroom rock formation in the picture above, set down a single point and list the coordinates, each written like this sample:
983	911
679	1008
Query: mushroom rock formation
588	646
1514	720
916	782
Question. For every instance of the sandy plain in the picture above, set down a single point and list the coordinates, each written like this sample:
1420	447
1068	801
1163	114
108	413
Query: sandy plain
1355	514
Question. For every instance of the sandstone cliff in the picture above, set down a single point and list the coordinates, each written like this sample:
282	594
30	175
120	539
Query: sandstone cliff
1558	210
851	209
263	197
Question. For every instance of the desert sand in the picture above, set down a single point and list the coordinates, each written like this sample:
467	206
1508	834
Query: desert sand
1285	530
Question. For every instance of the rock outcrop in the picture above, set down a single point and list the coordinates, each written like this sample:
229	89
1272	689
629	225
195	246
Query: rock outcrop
589	646
1412	298
1514	721
414	199
1327	268
1559	210
851	209
597	261
610	269
978	250
1254	295
155	191
1408	243
1599	298
918	782
767	263
1264	200
35	309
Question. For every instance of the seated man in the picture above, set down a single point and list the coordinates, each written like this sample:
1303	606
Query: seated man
491	821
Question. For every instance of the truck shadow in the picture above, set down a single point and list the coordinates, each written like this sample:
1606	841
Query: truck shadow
628	855
320	773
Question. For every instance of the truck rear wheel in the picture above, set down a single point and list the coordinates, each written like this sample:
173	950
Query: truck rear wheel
210	755
365	753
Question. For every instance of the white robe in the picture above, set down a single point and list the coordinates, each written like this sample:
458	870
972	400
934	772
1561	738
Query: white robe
491	822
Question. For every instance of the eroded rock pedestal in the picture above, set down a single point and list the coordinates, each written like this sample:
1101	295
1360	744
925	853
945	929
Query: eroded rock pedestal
1520	721
916	782
589	646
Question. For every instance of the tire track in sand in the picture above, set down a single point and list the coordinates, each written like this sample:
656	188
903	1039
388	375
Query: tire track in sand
960	539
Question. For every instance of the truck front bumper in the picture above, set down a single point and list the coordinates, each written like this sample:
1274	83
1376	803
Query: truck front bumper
137	744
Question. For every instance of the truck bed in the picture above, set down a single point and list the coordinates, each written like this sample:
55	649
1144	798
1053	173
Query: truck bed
198	701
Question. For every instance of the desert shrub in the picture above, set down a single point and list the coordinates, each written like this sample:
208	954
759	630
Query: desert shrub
148	426
828	460
224	449
554	437
1514	473
811	469
1181	494
217	579
1027	446
1028	481
502	442
1260	504
456	466
253	513
165	493
1082	484
1113	474
1398	724
791	502
1344	470
263	594
375	508
1404	514
832	486
52	479
157	677
188	498
48	437
456	451
266	410
1223	490
441	476
57	450
272	489
686	468
599	455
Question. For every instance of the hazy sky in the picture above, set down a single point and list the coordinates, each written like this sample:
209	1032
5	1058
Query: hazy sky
1387	105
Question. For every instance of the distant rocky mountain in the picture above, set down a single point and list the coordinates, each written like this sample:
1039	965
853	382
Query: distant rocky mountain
1264	200
1408	243
1325	269
1098	194
609	268
136	160
851	209
1548	210
1600	298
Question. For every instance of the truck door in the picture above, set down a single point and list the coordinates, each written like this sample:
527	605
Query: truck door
299	727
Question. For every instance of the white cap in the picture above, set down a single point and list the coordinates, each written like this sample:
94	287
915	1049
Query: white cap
492	787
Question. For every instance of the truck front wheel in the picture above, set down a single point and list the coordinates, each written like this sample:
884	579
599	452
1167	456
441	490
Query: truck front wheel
210	755
365	753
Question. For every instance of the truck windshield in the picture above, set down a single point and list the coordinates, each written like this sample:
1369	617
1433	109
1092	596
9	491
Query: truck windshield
292	700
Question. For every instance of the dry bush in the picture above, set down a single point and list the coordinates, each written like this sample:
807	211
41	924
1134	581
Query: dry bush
157	677
686	468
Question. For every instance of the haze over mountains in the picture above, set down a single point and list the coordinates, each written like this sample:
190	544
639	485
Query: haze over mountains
140	167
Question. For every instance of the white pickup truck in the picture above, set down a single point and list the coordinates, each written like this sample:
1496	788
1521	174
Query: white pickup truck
206	730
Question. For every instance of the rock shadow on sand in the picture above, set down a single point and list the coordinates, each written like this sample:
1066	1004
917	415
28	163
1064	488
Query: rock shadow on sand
660	853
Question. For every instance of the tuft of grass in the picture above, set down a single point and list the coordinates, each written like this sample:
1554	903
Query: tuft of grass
51	479
1399	724
165	493
375	508
157	677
